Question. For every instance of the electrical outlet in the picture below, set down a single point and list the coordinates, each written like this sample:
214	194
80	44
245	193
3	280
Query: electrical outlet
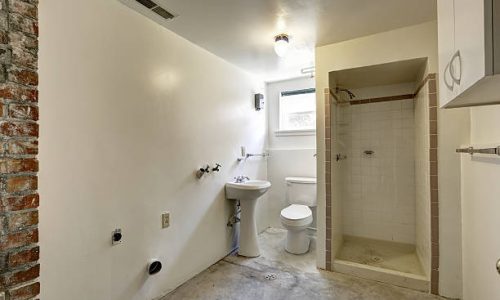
165	220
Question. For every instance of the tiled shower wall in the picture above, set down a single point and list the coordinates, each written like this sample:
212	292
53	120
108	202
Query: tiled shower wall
422	178
426	165
378	190
426	202
334	237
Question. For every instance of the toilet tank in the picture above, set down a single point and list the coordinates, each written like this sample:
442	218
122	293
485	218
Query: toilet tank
301	190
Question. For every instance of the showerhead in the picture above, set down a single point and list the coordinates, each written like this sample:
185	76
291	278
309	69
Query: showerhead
351	94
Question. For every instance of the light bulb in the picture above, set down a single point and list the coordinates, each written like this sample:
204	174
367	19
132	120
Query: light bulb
281	45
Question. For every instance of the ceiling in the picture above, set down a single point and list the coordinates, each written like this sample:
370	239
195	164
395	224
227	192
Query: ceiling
242	31
384	74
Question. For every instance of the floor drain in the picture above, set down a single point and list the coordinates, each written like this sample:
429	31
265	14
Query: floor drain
271	276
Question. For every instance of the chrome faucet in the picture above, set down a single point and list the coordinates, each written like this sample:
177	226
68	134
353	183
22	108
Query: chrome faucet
241	179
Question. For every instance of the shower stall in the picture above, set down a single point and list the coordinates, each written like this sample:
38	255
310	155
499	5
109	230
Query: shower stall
383	126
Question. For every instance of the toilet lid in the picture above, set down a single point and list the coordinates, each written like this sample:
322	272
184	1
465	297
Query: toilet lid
296	212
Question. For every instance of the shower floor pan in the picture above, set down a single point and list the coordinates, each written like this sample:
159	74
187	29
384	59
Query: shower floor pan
383	261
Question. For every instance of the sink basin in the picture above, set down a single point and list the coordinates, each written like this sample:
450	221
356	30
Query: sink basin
247	192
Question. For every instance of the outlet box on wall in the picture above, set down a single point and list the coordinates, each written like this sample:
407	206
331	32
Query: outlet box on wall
165	220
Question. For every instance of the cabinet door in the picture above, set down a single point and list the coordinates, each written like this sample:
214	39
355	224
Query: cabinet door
469	65
446	38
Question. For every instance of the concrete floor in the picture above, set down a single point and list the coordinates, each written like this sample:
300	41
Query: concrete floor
278	275
382	254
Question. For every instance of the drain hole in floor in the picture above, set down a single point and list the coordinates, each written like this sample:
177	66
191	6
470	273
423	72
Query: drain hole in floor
271	276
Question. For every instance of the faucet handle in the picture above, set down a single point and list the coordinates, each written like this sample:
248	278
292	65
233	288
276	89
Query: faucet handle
216	168
241	178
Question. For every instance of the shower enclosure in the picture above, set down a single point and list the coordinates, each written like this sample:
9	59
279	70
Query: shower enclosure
383	131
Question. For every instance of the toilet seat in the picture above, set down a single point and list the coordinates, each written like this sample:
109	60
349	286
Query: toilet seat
296	215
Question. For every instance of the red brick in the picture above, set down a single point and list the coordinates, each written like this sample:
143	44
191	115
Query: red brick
21	184
17	147
17	259
18	165
22	76
11	279
19	221
24	42
22	58
23	8
18	129
23	111
25	292
19	203
17	92
19	132
19	239
23	24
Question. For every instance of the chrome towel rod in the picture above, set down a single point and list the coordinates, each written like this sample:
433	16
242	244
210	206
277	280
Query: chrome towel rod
471	150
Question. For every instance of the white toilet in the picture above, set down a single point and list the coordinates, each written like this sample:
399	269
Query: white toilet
301	194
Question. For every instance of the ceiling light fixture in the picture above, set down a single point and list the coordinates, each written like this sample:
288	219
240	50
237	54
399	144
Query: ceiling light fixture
281	44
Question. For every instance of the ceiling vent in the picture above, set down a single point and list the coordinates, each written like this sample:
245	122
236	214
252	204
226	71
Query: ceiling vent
157	9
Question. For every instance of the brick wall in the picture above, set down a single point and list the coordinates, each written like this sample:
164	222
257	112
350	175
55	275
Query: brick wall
19	251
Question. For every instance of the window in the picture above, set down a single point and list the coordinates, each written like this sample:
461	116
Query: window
297	111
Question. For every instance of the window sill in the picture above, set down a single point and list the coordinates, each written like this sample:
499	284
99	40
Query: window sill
295	132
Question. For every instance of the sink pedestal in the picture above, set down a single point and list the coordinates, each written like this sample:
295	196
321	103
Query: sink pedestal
248	192
249	246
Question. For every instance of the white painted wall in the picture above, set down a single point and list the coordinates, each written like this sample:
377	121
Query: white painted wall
401	44
289	155
453	131
129	111
480	188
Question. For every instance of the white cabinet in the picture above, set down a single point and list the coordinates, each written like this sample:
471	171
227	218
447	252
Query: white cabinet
446	36
470	61
466	30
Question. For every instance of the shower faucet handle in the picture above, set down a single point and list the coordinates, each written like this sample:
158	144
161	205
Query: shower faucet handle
340	156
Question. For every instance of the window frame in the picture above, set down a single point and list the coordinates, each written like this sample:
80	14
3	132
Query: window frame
294	132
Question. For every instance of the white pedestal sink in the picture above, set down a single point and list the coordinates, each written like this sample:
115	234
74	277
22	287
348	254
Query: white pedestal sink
247	192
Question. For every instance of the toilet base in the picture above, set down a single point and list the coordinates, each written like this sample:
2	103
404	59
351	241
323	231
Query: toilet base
297	241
